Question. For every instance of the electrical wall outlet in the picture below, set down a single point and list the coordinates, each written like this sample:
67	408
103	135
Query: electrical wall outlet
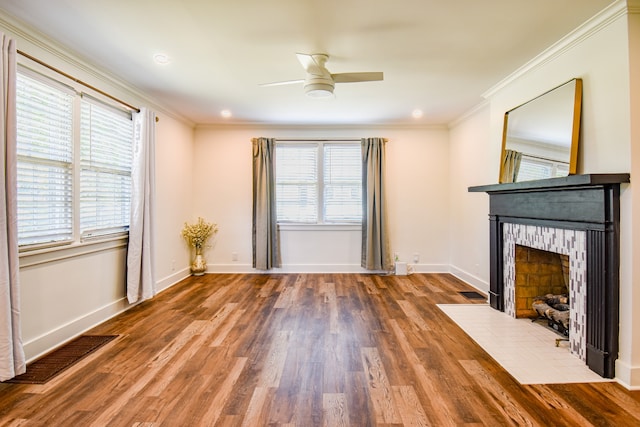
416	257
234	256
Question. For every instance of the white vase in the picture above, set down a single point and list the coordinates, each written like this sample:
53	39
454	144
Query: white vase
199	265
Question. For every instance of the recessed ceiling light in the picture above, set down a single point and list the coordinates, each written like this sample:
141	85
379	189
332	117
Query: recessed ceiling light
225	113
161	58
416	114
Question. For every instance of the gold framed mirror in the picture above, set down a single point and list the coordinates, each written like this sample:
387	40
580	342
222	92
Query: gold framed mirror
540	137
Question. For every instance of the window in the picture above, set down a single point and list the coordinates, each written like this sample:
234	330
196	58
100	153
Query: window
74	163
342	177
106	135
297	183
319	182
535	168
45	161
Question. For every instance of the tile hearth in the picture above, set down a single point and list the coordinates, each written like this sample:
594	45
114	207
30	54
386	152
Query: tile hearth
526	350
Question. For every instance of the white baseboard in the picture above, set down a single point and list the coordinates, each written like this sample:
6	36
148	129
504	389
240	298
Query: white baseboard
290	268
627	376
428	268
470	279
56	337
172	279
320	268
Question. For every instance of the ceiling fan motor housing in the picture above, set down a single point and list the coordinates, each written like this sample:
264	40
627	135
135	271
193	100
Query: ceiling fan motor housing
318	87
319	83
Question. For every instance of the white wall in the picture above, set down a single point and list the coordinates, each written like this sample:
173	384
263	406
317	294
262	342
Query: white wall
174	196
65	292
599	54
418	168
474	161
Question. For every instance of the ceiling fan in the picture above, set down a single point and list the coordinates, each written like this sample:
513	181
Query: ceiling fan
319	82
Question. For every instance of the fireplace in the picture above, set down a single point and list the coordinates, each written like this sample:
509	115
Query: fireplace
577	216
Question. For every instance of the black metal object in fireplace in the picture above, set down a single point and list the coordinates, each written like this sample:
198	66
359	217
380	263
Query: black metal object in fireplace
555	310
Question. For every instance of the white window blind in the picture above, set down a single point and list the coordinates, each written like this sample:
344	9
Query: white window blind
45	161
319	182
297	183
562	169
106	138
342	173
534	168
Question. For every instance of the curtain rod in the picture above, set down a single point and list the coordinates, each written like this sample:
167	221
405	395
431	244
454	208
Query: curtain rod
52	68
316	139
320	139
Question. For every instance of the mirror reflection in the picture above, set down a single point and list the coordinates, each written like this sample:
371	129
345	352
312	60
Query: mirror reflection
540	137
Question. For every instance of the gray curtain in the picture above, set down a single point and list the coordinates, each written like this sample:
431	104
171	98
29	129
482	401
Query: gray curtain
12	359
376	254
266	249
141	284
510	166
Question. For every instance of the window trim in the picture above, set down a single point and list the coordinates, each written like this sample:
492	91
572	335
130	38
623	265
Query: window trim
294	226
321	223
42	255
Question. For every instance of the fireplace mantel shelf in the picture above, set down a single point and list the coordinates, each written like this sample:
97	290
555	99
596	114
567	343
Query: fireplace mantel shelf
574	198
589	203
570	181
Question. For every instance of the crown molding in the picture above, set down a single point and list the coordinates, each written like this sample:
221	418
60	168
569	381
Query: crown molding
320	127
592	26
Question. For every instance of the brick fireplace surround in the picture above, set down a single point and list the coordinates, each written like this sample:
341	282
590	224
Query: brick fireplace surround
582	207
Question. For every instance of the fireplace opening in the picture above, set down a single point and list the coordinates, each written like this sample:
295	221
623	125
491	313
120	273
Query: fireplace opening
542	287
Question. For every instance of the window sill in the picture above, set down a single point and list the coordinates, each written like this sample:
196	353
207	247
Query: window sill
319	227
29	258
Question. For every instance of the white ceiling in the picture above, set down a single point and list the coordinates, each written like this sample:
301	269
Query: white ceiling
437	55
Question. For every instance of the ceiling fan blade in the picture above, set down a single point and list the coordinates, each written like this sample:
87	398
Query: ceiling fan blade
288	82
357	77
313	64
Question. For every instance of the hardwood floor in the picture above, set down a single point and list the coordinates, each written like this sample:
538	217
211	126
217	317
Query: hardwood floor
302	350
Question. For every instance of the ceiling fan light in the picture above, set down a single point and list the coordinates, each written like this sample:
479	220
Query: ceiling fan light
318	90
